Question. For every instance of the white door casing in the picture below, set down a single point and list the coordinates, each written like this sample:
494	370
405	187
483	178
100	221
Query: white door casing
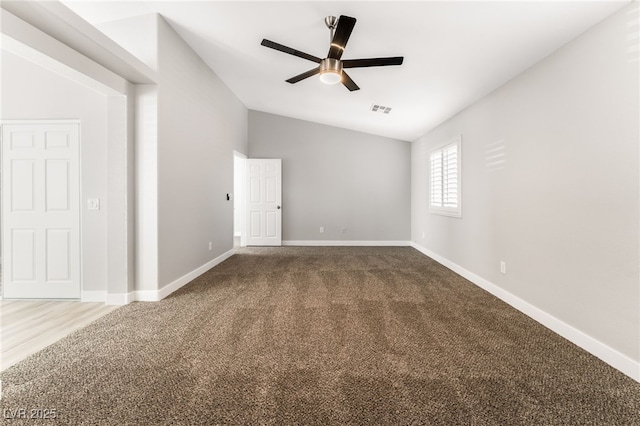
264	199
40	210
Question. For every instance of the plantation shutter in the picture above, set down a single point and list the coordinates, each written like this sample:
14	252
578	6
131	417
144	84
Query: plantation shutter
436	179
450	177
444	192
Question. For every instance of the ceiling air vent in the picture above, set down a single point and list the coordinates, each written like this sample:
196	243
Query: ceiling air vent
380	108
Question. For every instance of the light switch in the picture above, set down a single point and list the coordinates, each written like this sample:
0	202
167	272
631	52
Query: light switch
93	204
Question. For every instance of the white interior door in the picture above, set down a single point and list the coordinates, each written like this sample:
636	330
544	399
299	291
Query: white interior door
40	210
264	198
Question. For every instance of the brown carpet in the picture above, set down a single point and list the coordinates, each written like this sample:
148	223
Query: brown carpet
321	336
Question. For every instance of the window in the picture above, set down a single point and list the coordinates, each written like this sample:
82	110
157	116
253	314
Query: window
445	179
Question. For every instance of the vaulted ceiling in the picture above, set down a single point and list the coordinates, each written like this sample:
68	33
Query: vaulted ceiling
455	52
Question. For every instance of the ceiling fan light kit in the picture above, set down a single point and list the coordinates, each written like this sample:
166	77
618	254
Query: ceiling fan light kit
331	68
330	71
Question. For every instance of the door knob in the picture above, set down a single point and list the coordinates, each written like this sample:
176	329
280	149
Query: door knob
278	207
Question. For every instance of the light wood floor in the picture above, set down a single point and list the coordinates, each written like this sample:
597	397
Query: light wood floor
27	327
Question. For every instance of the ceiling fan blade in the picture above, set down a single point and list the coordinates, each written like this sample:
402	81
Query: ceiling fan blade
348	83
290	51
341	36
304	75
372	62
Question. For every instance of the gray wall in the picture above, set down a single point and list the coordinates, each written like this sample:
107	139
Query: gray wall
200	123
30	92
551	187
336	178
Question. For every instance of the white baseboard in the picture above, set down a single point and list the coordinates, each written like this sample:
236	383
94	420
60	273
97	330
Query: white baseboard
106	298
120	298
156	295
152	295
607	354
345	243
93	296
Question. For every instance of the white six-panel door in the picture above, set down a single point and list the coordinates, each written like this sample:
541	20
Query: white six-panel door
40	210
264	198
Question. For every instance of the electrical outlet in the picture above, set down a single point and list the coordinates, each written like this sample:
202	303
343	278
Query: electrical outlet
424	234
503	267
343	230
209	245
322	229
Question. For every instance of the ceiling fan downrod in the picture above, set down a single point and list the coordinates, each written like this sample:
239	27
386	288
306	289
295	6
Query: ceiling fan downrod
331	22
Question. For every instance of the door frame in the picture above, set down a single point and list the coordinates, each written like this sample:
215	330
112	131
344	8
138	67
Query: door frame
240	190
80	180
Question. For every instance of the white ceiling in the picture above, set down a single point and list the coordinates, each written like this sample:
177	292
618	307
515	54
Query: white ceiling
455	52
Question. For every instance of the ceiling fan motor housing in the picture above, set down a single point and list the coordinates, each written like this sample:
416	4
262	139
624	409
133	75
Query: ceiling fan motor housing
331	65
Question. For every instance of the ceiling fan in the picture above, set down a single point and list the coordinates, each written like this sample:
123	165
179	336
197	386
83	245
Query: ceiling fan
331	68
